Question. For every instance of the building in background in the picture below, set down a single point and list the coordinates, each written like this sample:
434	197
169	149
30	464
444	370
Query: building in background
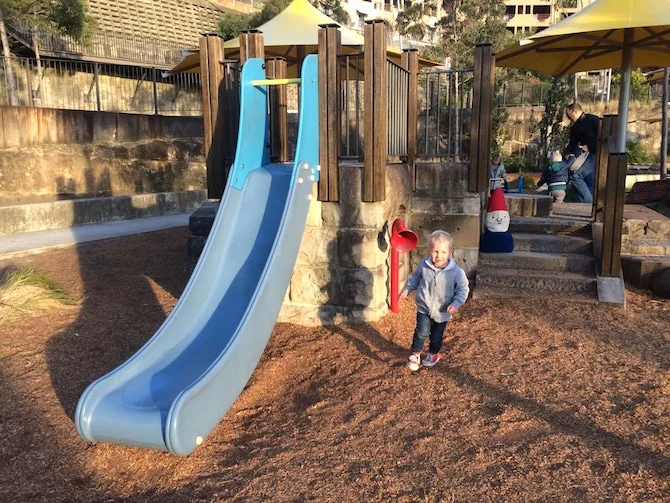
536	15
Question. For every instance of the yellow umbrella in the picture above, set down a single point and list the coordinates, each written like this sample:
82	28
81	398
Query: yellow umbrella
292	34
605	34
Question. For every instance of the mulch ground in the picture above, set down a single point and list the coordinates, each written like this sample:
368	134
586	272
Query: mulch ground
534	402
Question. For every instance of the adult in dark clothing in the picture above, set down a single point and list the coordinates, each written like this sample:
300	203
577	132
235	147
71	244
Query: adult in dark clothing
583	137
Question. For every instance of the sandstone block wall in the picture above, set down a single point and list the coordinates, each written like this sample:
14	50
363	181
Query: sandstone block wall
342	271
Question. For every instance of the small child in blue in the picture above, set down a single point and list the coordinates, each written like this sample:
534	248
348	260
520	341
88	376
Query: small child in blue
556	176
441	289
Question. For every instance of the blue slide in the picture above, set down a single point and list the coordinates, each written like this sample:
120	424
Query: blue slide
174	391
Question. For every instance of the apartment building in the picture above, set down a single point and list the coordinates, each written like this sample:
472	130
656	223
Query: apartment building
361	10
536	15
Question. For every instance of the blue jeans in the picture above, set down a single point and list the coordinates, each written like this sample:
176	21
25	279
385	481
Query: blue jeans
425	327
582	179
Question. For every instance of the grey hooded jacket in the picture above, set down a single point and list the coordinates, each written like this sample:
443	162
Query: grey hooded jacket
437	289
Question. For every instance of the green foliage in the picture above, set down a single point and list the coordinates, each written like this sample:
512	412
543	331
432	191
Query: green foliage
24	289
471	22
230	25
638	153
334	10
67	17
516	163
435	53
552	134
639	89
409	21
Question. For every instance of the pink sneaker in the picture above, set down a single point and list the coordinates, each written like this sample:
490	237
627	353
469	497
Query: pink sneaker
414	362
431	359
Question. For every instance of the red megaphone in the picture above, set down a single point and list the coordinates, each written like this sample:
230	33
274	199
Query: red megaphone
402	240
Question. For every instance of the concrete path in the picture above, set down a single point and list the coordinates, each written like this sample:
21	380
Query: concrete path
36	242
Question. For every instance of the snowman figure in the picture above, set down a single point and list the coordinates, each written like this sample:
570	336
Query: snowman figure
497	238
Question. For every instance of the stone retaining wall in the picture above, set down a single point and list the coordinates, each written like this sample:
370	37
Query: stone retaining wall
101	169
343	265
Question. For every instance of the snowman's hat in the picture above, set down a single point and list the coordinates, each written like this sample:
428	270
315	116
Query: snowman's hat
497	201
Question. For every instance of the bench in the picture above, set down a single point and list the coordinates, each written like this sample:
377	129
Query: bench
653	191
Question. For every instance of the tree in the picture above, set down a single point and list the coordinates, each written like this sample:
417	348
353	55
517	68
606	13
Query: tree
60	17
334	10
409	22
471	22
231	25
552	134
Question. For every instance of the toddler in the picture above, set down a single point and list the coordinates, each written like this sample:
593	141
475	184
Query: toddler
556	176
441	288
497	173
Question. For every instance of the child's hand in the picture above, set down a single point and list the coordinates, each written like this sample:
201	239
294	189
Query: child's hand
452	310
403	295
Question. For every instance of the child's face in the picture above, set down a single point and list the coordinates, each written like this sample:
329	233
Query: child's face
439	254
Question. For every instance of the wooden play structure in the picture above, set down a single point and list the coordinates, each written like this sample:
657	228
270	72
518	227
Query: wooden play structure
389	121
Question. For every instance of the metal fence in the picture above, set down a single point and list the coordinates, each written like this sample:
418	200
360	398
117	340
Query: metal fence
444	114
76	85
514	94
108	45
351	72
397	92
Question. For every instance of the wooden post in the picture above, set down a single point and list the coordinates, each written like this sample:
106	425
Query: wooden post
211	74
609	126
482	118
229	112
615	195
375	121
329	112
410	62
251	45
276	69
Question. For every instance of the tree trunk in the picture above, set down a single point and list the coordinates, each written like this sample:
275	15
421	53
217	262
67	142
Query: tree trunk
9	72
38	61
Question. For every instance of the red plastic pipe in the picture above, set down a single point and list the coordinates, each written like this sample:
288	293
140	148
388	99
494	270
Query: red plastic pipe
402	240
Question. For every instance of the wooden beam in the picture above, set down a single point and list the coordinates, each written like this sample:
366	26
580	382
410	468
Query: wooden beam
482	118
375	122
615	194
410	62
211	73
609	126
329	39
276	70
251	45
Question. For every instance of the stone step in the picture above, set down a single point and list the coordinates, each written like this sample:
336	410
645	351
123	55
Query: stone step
73	212
537	280
638	270
550	225
551	243
202	219
523	260
484	292
646	247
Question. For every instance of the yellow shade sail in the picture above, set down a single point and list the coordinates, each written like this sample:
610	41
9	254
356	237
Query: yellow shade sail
593	39
292	34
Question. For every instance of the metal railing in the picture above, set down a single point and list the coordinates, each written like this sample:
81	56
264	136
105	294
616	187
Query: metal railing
514	94
77	85
444	114
397	91
108	45
350	69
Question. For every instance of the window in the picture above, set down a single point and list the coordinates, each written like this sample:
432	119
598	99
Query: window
527	9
